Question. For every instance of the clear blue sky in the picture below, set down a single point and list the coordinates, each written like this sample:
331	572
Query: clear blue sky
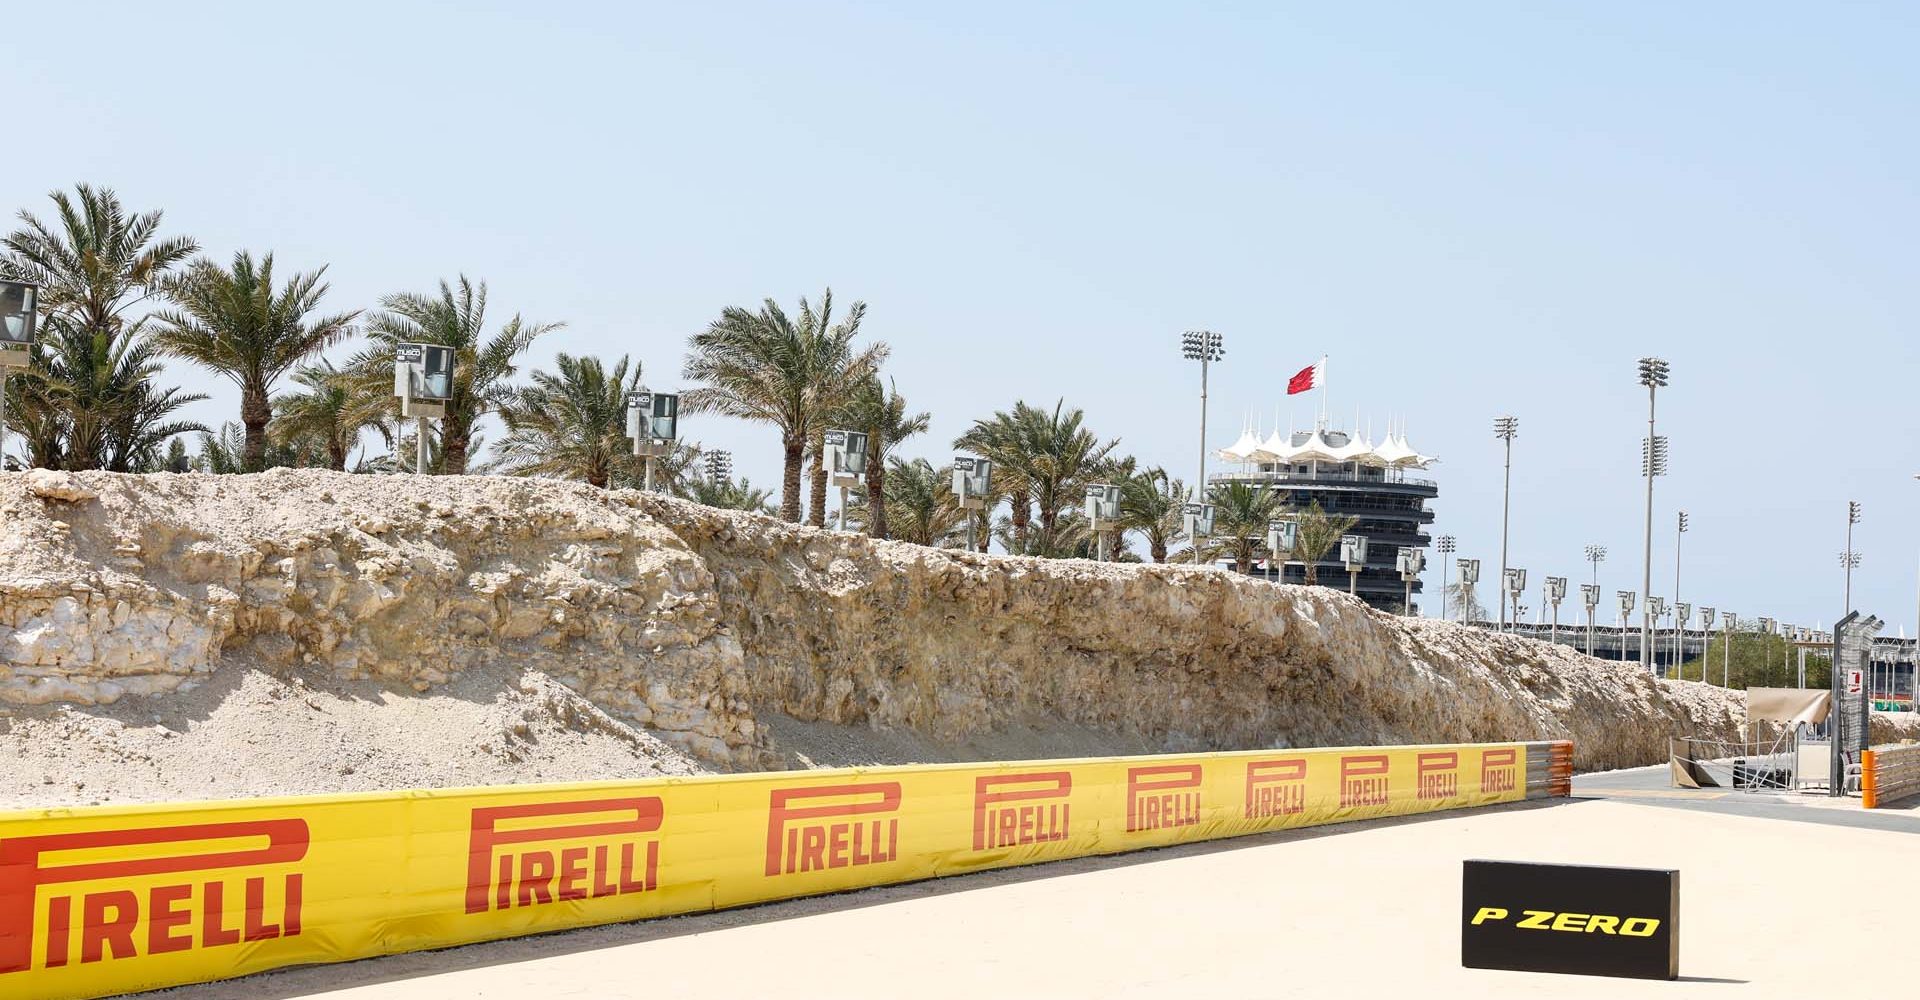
1474	209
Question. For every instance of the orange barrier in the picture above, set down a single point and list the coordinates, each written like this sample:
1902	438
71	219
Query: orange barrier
102	900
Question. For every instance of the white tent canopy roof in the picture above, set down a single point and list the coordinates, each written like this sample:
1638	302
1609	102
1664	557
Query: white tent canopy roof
1323	445
1242	450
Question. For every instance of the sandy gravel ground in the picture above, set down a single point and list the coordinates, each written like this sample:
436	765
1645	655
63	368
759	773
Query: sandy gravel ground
1357	911
248	733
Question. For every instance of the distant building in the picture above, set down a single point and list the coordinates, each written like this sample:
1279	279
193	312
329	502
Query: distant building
1347	475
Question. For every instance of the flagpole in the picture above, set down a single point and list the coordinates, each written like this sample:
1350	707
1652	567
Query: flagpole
1322	422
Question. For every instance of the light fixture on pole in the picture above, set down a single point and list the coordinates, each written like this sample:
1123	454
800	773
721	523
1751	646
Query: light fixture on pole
1103	515
1514	579
1682	613
1656	609
1283	536
1849	558
719	466
1409	561
972	481
1196	519
1680	530
1590	596
1728	622
1205	347
19	315
423	379
1505	428
1353	553
1626	612
1706	641
1469	577
1556	591
1653	462
653	425
846	461
1445	546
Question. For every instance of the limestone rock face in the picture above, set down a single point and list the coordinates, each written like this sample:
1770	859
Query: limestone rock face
697	623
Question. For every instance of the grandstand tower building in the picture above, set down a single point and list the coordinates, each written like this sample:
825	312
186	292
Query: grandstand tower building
1351	476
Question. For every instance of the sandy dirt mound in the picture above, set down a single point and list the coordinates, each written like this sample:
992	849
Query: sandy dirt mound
429	616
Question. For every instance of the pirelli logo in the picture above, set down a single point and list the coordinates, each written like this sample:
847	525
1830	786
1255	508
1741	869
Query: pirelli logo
1276	788
559	852
832	826
1163	796
77	887
1499	770
1364	780
1436	776
1012	810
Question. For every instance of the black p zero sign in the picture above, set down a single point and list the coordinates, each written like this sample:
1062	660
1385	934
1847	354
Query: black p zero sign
1571	918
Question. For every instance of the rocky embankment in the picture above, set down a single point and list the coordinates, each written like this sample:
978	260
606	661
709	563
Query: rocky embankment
508	620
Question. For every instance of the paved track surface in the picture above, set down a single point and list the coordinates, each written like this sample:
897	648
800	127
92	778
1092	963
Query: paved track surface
1364	910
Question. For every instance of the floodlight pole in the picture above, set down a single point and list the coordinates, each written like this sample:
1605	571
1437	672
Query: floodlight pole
420	446
1847	556
1446	546
1505	428
1679	653
1202	346
1653	375
843	508
646	476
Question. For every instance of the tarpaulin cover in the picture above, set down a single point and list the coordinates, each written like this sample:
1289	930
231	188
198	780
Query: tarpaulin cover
1788	705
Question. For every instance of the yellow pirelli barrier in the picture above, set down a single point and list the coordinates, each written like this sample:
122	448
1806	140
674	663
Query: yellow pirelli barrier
102	900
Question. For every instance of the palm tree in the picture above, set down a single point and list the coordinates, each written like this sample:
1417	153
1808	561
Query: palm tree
1150	503
920	504
90	402
571	423
769	368
85	402
1317	534
1060	458
482	365
727	494
332	412
835	370
137	436
881	411
1240	515
233	321
177	459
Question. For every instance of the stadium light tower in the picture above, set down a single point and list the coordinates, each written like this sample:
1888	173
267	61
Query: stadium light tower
1205	347
1596	554
1849	558
1680	609
1653	462
1445	544
1505	428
